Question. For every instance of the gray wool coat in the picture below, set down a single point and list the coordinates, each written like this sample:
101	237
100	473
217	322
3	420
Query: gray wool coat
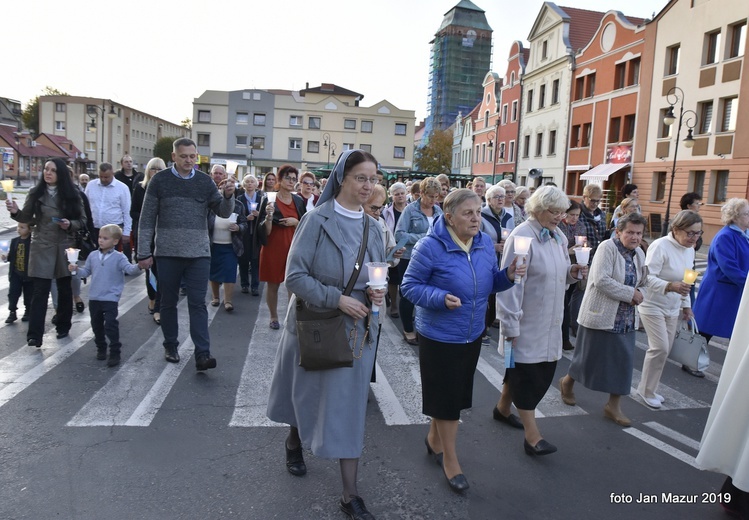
49	241
328	406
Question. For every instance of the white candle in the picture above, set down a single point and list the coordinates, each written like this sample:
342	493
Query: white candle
5	246
233	218
505	234
72	255
271	196
582	255
690	276
580	240
8	188
253	206
377	279
522	246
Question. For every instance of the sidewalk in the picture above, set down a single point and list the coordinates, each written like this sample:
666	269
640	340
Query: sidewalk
7	224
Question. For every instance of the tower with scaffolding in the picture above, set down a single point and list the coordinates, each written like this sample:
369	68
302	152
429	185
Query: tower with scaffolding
460	57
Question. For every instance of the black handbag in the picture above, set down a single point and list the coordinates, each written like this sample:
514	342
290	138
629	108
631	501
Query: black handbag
84	242
323	340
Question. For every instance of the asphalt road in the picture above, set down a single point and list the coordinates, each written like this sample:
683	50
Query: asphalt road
152	440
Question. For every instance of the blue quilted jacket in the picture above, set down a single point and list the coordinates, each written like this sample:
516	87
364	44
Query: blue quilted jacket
439	267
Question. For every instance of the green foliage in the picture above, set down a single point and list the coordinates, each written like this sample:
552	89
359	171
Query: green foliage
163	148
187	123
30	114
436	156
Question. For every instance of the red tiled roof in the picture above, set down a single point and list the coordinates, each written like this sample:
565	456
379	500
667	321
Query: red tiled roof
583	25
7	133
64	144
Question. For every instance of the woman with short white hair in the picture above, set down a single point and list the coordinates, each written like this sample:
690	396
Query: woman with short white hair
530	317
510	189
522	194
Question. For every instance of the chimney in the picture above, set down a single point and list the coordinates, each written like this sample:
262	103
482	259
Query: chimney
306	85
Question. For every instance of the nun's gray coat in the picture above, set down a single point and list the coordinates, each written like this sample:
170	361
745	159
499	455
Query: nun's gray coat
328	406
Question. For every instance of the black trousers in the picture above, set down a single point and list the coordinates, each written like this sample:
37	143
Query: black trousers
19	285
104	324
39	301
249	264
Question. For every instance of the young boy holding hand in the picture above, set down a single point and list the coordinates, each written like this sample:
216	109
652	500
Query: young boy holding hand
18	274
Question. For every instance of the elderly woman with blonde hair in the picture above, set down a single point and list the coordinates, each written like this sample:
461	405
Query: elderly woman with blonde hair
530	317
510	190
518	203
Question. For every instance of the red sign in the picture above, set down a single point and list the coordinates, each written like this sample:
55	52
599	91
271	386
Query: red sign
619	154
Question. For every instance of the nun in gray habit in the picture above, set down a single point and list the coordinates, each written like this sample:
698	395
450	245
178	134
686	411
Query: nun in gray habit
326	409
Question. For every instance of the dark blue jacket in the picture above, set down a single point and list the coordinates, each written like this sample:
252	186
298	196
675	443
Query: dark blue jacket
439	267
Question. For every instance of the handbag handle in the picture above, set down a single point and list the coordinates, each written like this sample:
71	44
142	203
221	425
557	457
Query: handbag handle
359	259
694	330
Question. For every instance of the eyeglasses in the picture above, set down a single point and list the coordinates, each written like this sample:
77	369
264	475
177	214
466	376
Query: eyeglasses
594	201
308	183
361	179
290	178
692	234
556	214
376	209
498	197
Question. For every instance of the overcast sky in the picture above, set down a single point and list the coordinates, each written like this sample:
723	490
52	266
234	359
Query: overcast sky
158	55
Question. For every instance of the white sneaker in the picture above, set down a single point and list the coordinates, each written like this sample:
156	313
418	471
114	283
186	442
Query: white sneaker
652	402
659	397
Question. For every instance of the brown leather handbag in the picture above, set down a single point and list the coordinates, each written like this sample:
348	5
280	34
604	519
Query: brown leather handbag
323	340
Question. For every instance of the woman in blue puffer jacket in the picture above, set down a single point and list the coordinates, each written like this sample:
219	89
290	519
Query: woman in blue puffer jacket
449	278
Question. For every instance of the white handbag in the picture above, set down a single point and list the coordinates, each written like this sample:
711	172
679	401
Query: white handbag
690	348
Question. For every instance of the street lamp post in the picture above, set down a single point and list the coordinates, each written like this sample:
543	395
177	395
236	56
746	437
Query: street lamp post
92	110
492	136
676	95
330	145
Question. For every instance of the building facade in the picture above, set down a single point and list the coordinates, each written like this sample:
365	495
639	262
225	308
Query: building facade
486	128
511	101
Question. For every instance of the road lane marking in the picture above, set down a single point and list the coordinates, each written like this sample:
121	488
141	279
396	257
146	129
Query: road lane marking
673	434
662	446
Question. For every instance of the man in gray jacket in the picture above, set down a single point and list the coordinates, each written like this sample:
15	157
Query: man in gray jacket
176	204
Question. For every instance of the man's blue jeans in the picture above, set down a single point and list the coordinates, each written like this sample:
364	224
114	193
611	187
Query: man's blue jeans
194	272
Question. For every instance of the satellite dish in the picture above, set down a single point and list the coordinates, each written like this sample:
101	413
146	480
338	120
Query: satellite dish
535	173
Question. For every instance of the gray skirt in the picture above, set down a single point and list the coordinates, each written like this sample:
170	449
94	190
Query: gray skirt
603	361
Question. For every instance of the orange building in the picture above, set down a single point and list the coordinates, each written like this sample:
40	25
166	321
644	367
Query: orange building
485	128
511	100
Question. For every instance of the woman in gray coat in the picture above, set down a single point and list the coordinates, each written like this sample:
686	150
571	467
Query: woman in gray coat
326	409
55	210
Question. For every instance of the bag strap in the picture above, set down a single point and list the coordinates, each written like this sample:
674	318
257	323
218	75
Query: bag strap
359	260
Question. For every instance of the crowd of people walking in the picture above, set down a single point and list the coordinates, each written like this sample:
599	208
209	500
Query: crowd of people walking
459	262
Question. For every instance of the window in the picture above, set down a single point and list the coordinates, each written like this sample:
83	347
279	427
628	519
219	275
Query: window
526	146
60	107
590	85
545	50
706	117
511	157
258	143
204	116
399	152
539	143
476	155
313	146
712	48
728	114
504	114
366	148
241	141
366	127
615	128
672	60
665	130
579	88
633	72
295	120
502	155
542	96
512	78
400	128
586	135
659	186
90	146
737	34
552	142
514	111
314	123
555	92
258	119
575	136
59	125
295	143
719	186
486	119
349	124
243	118
697	182
483	152
529	107
629	128
348	146
620	73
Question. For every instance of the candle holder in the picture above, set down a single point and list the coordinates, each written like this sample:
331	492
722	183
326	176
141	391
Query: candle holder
582	256
581	241
522	247
378	272
690	276
271	196
505	233
233	218
253	206
4	247
8	188
72	255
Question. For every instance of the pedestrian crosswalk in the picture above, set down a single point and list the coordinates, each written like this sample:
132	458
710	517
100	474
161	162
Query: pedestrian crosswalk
136	390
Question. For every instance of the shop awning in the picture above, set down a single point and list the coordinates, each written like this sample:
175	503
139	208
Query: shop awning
602	172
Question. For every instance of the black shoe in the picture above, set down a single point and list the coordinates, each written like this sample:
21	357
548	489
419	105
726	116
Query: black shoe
61	335
567	345
204	362
80	307
114	358
171	354
245	290
256	292
695	373
34	343
355	508
25	316
295	461
11	317
101	353
54	319
541	448
437	456
458	483
512	419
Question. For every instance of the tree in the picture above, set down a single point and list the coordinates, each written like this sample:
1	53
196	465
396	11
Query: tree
436	156
187	123
163	148
30	114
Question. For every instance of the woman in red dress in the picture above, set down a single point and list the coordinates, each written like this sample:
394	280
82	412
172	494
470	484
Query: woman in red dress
278	223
